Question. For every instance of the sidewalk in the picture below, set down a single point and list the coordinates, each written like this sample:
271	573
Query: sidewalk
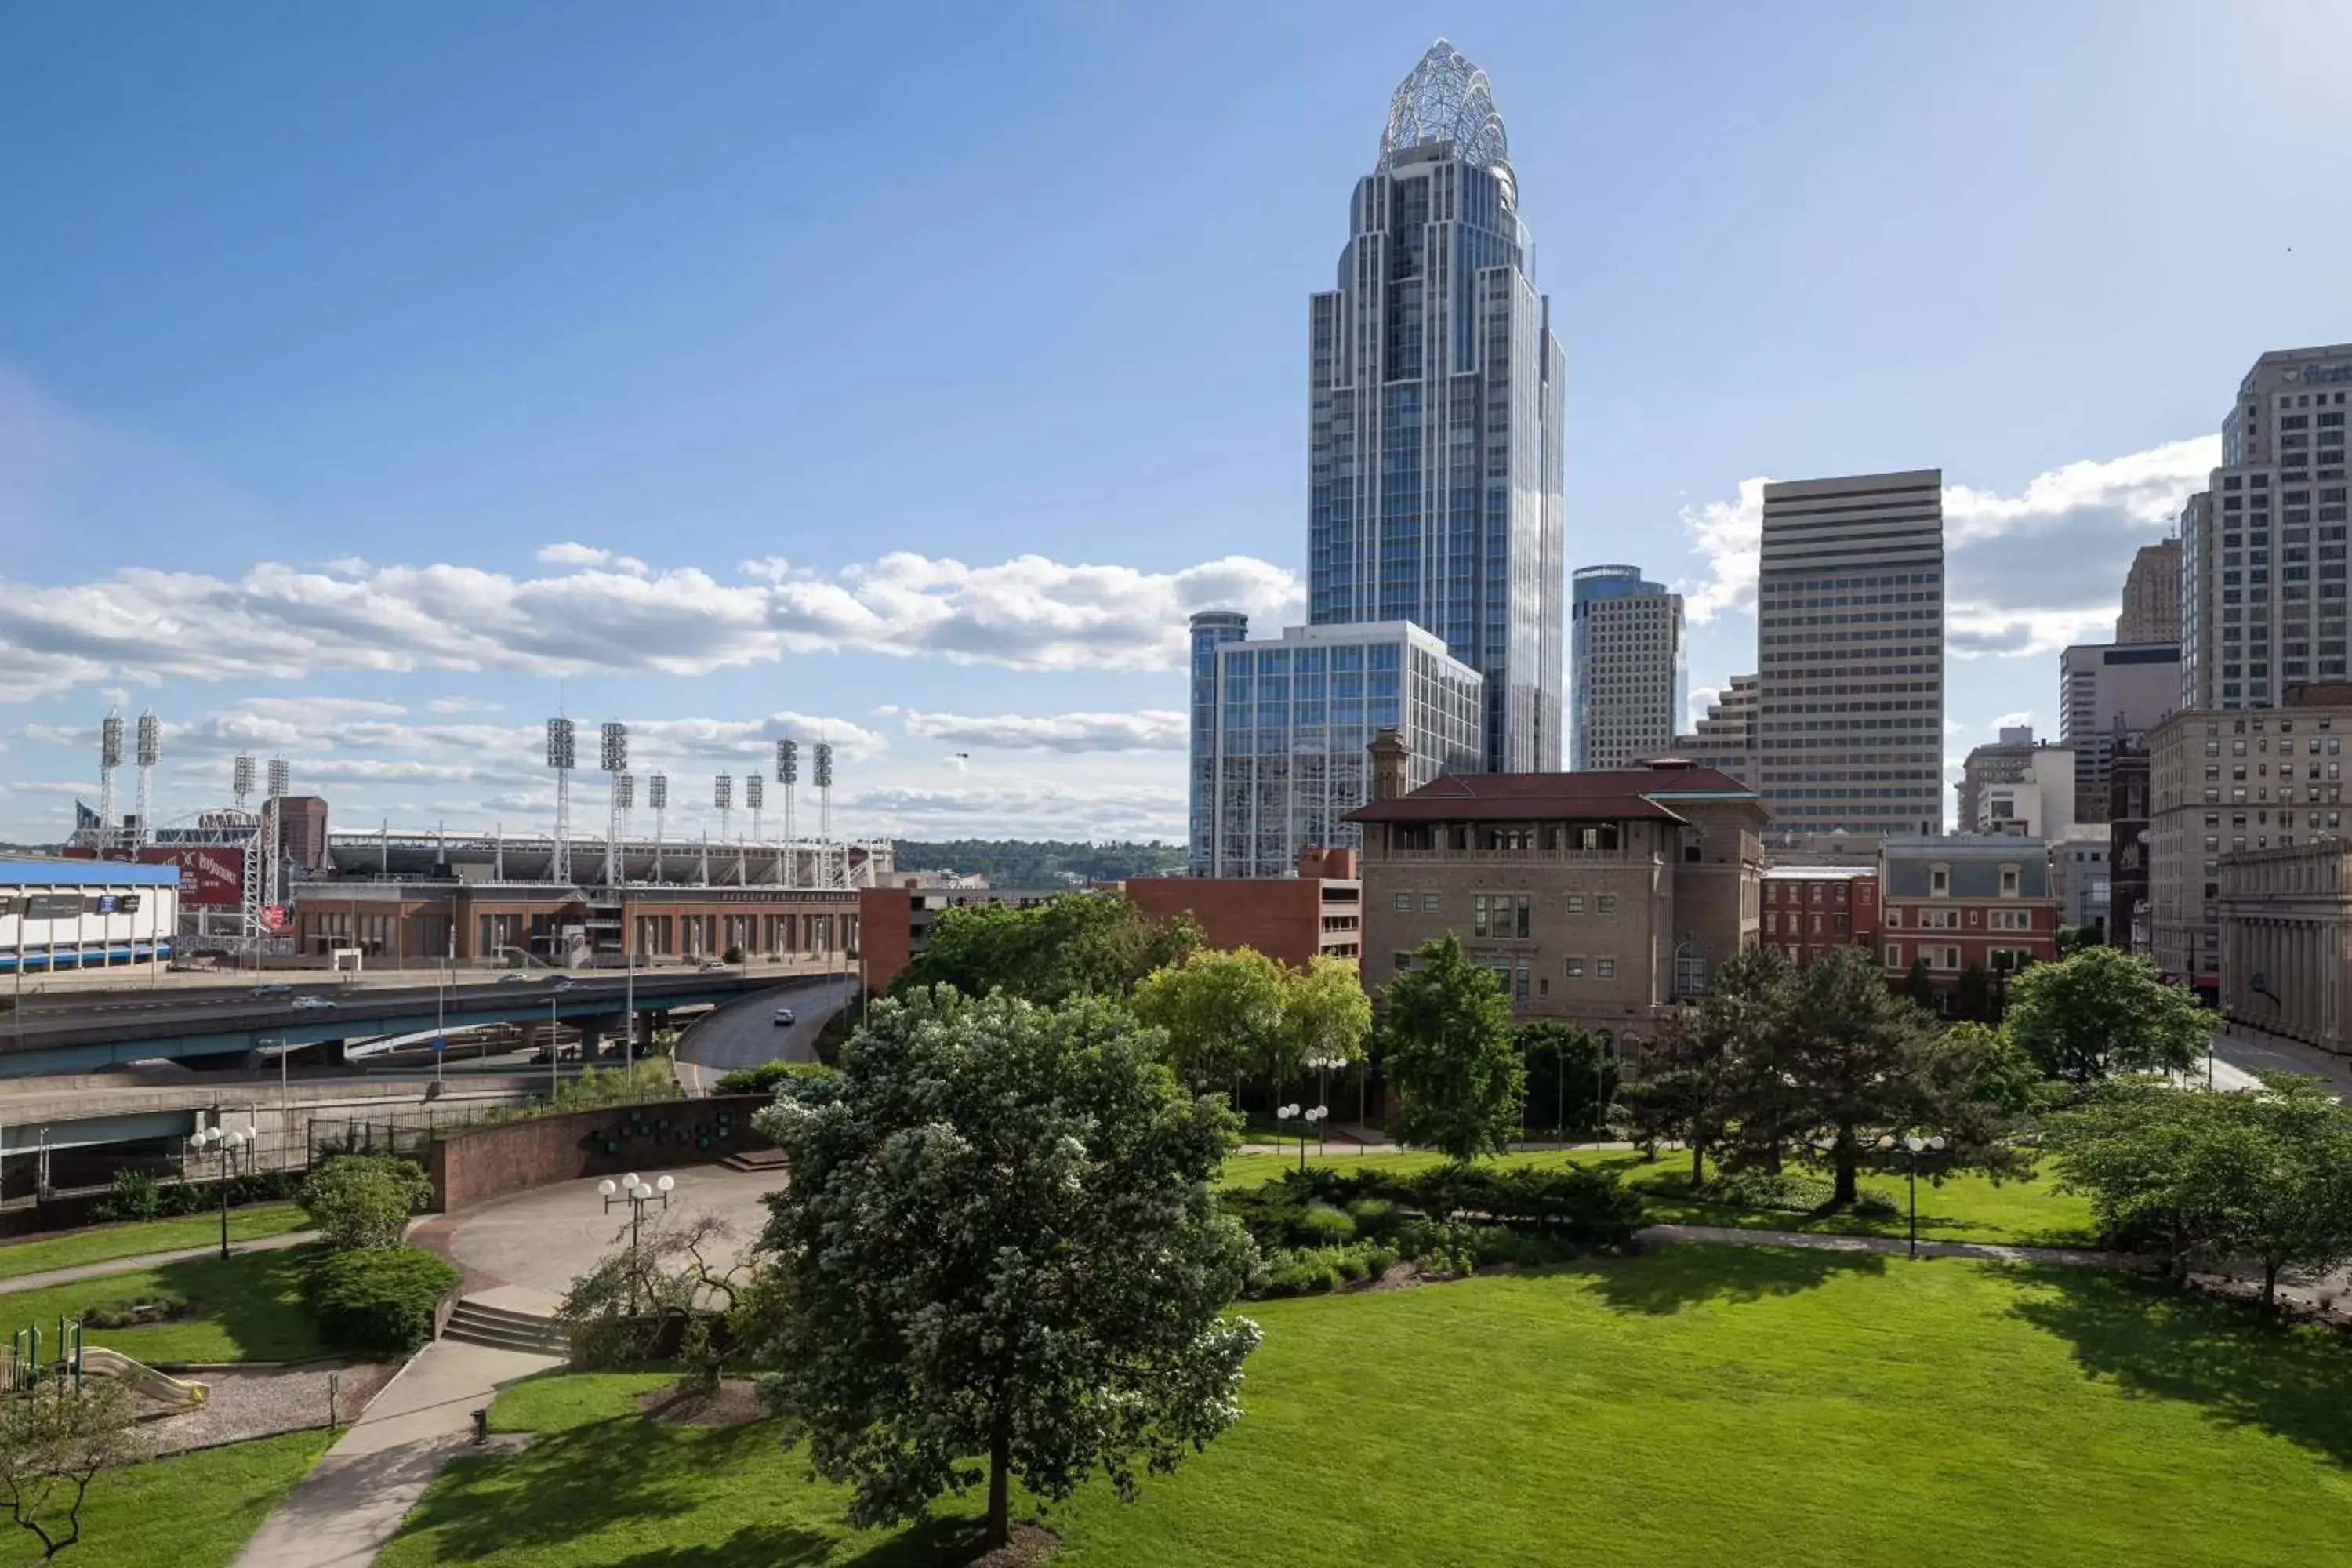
150	1260
1732	1236
354	1499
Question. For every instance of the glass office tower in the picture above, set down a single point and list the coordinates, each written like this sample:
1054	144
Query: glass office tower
1435	464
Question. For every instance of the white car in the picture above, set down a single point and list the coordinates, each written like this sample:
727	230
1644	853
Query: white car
310	1004
784	1016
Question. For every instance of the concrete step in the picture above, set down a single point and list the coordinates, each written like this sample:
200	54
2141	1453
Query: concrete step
754	1159
475	1323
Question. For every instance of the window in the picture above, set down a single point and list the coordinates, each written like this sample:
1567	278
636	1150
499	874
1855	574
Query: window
2009	881
1574	968
2012	920
1576	903
1894	955
1404	901
1939	881
1404	961
1893	916
1606	904
1605	969
1941	957
1429	903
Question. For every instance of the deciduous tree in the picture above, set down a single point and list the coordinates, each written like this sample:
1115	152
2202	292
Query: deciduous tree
998	1255
55	1439
364	1200
2104	1011
1446	1043
1077	944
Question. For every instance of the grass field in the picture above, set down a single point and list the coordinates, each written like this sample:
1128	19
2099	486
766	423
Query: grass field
194	1510
248	1309
105	1243
1698	1406
1966	1207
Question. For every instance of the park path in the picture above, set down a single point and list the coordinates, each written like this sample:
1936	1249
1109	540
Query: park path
150	1260
1990	1251
355	1498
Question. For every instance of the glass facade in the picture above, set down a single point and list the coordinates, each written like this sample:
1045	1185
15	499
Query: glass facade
1435	460
1280	727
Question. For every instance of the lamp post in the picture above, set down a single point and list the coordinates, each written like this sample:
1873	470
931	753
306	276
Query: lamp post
1914	1147
1310	1118
636	1194
214	1140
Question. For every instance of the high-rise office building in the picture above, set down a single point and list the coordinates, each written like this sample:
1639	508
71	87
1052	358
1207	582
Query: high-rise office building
2263	547
1849	634
2152	596
1630	669
1280	725
1435	471
1725	738
2108	693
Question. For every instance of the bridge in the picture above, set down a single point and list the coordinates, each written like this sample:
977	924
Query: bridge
94	1031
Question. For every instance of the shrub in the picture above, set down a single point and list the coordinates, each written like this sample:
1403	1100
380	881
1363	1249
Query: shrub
364	1200
379	1298
732	956
1323	1225
767	1076
1375	1218
135	1194
1876	1205
162	1307
1767	1190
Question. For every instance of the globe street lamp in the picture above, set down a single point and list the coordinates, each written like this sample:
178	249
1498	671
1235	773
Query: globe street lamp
1310	1119
636	1194
214	1140
1913	1147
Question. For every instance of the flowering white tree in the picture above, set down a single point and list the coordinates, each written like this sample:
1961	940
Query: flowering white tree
999	1255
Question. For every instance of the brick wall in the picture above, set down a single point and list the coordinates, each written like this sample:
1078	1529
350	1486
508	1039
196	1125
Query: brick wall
472	1165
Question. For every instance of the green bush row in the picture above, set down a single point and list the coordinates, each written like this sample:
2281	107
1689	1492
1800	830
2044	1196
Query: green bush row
765	1078
137	1195
1590	1207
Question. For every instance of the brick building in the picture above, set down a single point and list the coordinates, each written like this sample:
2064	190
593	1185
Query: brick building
895	921
1809	911
401	924
1318	913
1964	901
1598	898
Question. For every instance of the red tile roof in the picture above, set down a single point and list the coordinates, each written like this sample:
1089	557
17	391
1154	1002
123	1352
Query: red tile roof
1624	794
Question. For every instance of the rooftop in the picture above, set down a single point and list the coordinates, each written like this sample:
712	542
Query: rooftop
1622	793
1446	101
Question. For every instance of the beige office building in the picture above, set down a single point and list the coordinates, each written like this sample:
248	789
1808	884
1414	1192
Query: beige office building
2224	782
1725	738
2152	596
2263	548
1850	635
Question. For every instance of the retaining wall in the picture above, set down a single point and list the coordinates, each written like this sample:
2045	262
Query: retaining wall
472	1165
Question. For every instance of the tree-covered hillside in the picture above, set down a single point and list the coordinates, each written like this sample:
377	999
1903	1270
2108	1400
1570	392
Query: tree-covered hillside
1034	863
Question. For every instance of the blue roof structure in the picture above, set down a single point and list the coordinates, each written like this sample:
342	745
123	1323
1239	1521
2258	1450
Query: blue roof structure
89	873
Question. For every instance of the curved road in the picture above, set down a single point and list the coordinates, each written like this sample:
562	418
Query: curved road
744	1034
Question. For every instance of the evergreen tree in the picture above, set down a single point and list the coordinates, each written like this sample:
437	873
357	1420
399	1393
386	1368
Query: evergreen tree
1450	1056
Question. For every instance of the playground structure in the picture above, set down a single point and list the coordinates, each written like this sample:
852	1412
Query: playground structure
78	1360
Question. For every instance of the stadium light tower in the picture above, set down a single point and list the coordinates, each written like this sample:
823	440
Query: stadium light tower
822	775
110	759
722	796
150	753
658	796
788	773
755	797
612	759
562	756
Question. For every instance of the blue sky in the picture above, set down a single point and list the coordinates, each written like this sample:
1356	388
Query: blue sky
911	371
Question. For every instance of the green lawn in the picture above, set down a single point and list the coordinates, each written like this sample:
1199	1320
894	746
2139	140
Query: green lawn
106	1243
194	1510
249	1308
1699	1407
1966	1207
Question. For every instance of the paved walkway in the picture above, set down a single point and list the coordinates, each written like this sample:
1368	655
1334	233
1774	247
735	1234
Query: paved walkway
1734	1236
150	1260
355	1499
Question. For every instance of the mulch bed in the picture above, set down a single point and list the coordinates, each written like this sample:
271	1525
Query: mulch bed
736	1403
1030	1544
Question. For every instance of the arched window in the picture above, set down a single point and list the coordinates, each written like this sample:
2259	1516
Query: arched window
1690	973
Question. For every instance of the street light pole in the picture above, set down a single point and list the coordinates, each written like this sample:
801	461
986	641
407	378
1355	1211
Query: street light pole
636	1194
1913	1146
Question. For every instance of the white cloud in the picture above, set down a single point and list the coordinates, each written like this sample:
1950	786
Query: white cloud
464	705
277	621
2030	573
2010	720
1701	698
1145	729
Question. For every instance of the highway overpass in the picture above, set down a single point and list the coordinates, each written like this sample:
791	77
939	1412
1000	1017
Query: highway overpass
91	1031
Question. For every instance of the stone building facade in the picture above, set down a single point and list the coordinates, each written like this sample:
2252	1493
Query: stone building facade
2286	941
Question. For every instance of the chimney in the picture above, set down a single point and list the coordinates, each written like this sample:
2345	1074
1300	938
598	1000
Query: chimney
1389	754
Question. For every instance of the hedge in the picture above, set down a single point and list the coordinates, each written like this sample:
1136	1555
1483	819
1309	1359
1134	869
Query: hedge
379	1298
